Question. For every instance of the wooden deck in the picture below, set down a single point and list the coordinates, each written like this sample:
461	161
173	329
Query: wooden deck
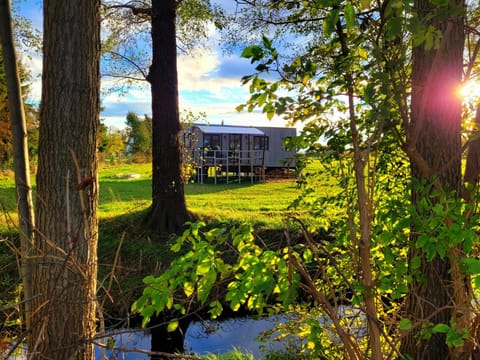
229	165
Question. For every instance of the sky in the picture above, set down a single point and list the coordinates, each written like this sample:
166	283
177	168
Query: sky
209	82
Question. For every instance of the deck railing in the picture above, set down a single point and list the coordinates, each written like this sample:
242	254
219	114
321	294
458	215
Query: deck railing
225	162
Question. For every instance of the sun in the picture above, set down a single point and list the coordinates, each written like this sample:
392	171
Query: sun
470	90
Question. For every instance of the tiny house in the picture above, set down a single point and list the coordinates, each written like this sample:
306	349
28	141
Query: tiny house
236	152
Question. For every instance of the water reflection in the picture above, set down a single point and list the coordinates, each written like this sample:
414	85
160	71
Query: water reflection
201	338
217	337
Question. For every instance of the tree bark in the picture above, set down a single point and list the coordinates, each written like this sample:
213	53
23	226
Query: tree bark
169	210
67	185
20	153
434	147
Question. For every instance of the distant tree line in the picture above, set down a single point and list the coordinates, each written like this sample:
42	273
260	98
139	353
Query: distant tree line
133	143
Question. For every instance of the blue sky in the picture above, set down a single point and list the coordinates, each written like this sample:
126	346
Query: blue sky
209	82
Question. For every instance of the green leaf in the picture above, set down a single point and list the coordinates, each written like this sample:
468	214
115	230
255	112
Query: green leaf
369	92
389	256
205	284
330	22
248	51
405	325
349	13
254	52
441	328
442	251
472	265
308	255
362	53
261	98
172	325
188	288
266	42
240	108
454	339
394	28
147	313
216	309
429	38
415	262
110	343
203	267
176	247
269	109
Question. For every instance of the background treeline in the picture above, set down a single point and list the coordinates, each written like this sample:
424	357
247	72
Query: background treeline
132	143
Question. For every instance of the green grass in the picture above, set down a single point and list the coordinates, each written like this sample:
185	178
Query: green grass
260	204
119	195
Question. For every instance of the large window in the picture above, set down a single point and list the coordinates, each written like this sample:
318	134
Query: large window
211	141
187	140
260	143
235	142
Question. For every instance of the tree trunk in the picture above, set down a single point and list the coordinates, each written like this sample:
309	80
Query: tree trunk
20	153
169	210
434	147
67	184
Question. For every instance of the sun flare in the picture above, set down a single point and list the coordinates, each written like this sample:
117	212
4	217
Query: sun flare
470	90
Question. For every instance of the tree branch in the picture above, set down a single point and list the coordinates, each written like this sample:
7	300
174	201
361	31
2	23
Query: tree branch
143	12
126	77
128	60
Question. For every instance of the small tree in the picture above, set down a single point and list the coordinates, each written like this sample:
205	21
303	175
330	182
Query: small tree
139	136
111	143
20	151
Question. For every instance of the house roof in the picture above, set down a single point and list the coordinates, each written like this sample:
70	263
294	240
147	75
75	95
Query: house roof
226	129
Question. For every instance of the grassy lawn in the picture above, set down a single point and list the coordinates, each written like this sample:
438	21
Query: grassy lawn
261	204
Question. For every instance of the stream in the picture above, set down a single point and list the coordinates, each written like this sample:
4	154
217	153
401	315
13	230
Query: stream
201	338
217	337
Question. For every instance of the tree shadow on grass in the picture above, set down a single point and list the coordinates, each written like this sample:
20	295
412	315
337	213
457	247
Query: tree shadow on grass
141	189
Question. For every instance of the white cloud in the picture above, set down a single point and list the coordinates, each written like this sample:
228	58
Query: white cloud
193	69
114	121
34	65
209	81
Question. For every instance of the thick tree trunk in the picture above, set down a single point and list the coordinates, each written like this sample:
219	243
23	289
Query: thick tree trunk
169	210
67	186
438	293
20	152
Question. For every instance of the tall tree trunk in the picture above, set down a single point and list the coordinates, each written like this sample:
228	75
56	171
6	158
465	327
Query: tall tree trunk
20	152
169	210
67	184
434	147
